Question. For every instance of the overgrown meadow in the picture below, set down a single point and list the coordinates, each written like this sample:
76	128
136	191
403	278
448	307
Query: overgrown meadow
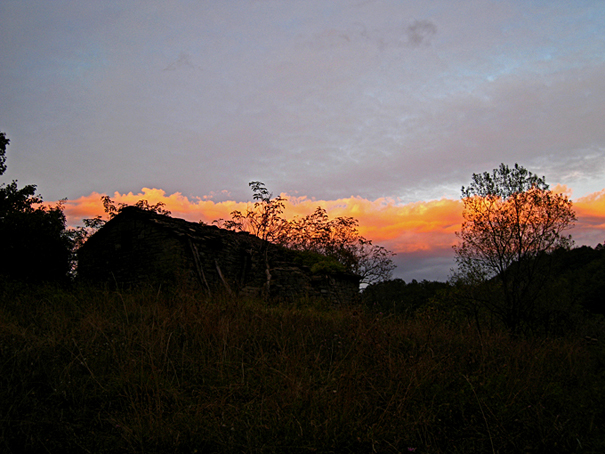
85	370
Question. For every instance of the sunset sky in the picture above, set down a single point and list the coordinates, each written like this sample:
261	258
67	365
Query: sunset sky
377	109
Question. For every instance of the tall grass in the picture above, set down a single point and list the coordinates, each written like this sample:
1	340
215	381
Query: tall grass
88	370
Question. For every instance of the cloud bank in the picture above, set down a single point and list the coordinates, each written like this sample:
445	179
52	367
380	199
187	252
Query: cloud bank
421	234
375	99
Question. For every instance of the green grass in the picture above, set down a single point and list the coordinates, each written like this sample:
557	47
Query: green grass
85	370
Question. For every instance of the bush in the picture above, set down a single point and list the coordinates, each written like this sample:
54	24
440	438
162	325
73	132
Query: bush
318	263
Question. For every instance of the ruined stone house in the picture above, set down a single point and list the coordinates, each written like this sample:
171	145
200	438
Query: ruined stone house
142	247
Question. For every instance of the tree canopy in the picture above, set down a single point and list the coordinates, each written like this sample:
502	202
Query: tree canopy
512	220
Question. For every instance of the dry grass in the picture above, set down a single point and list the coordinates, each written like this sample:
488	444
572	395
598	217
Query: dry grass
85	370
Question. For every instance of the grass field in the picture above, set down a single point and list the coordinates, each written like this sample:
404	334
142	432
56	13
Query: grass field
84	370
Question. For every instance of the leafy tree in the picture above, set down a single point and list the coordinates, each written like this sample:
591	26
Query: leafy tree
512	220
112	209
34	243
317	232
336	238
339	238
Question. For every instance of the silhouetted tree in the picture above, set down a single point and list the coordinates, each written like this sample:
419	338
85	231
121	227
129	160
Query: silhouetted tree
340	239
336	238
34	243
3	144
264	219
512	220
112	209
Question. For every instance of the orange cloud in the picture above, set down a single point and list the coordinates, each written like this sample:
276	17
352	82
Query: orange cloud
425	228
402	228
421	226
179	205
590	211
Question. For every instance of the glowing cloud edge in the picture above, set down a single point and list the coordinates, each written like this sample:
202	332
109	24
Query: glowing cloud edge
426	228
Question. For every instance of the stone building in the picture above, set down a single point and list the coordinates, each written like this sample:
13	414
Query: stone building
139	247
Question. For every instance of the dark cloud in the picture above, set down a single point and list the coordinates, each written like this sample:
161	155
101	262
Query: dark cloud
420	33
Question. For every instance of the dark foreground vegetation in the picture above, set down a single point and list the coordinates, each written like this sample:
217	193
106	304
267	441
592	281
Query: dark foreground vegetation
154	371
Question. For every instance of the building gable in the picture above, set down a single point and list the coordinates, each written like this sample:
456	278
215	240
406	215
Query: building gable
142	247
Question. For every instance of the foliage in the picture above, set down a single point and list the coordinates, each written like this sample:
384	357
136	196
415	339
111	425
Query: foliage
88	370
3	144
340	239
578	279
583	271
112	209
570	298
263	220
337	238
35	243
398	297
374	263
318	263
511	222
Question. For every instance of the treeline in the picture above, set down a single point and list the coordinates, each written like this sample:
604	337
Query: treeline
401	298
579	277
575	287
